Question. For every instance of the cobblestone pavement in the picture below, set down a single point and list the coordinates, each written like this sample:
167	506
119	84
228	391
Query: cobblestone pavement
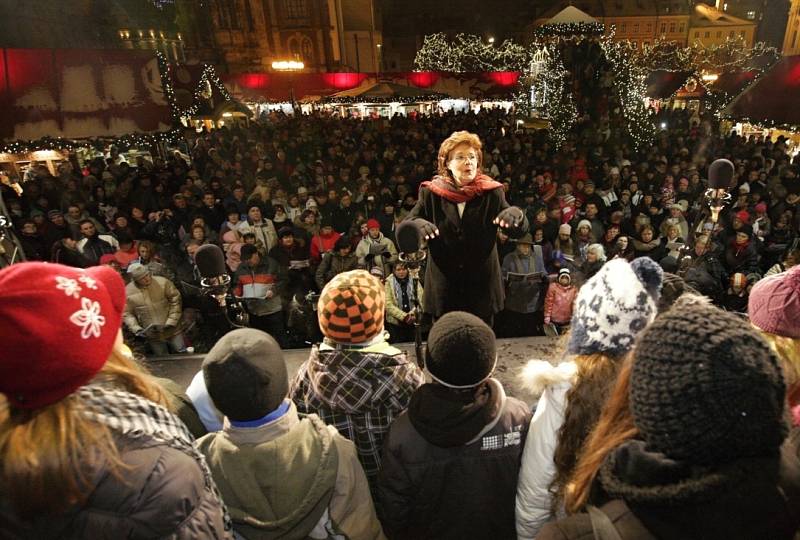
512	356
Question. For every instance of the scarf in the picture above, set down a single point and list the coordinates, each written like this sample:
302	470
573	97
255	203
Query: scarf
404	293
445	188
449	418
135	417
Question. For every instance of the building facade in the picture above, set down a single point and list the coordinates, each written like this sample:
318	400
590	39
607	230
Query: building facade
711	26
791	41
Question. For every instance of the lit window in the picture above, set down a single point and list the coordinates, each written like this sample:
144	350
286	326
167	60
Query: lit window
671	28
751	15
725	6
296	9
308	52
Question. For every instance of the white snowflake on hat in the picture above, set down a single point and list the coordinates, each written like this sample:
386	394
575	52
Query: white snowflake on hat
88	318
69	286
89	282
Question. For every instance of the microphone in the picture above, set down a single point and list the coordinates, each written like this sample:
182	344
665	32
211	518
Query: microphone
410	244
720	176
214	279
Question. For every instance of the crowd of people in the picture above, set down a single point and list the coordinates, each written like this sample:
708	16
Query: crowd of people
295	201
670	419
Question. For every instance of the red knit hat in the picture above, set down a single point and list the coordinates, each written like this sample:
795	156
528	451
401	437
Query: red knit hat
774	304
350	308
743	216
373	224
58	325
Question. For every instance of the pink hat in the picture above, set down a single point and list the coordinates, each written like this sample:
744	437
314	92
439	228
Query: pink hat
58	325
774	304
761	207
565	229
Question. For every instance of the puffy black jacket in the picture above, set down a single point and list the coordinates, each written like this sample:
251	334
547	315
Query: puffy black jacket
459	492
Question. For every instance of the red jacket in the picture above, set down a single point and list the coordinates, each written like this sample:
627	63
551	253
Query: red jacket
558	303
322	244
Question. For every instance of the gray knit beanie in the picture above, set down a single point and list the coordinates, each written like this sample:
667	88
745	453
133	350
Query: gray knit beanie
245	374
705	388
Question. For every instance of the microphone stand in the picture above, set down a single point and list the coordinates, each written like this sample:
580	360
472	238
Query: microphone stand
413	264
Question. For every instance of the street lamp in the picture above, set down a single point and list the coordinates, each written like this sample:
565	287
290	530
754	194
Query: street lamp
491	40
380	59
290	66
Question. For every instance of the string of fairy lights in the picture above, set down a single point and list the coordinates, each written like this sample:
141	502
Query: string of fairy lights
630	66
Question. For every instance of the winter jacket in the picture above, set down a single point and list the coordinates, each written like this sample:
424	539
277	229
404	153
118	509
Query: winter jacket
94	248
265	232
463	271
289	477
253	284
162	493
159	303
534	500
558	303
656	497
524	295
394	310
332	265
366	249
440	481
742	260
359	391
322	244
652	249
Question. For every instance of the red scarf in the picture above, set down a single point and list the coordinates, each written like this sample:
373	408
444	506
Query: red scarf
445	188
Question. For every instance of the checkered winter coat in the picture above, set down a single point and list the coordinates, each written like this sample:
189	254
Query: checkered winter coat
358	391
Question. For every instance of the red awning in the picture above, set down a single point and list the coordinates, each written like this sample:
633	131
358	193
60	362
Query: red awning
772	99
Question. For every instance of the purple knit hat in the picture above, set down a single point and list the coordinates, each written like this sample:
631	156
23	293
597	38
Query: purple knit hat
774	304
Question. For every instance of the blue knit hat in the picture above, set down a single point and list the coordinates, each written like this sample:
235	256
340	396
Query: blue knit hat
614	306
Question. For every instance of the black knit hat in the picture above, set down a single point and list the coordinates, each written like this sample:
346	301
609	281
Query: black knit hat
461	350
245	374
705	388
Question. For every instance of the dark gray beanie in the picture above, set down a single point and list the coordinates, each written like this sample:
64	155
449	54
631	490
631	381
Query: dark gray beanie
461	350
245	374
705	388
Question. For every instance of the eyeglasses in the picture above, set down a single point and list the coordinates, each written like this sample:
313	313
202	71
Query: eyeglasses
462	158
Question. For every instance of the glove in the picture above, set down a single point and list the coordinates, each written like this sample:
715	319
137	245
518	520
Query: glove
428	230
510	218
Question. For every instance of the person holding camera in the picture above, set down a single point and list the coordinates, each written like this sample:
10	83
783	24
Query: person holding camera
375	250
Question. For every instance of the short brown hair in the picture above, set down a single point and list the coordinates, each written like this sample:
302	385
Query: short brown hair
458	137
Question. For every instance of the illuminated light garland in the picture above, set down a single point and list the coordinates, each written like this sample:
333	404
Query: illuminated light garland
209	75
629	78
569	29
333	100
732	55
126	141
468	53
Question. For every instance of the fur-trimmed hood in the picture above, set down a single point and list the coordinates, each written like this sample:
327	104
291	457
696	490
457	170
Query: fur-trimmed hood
539	374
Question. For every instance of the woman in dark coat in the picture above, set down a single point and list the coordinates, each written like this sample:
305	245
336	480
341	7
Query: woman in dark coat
458	212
